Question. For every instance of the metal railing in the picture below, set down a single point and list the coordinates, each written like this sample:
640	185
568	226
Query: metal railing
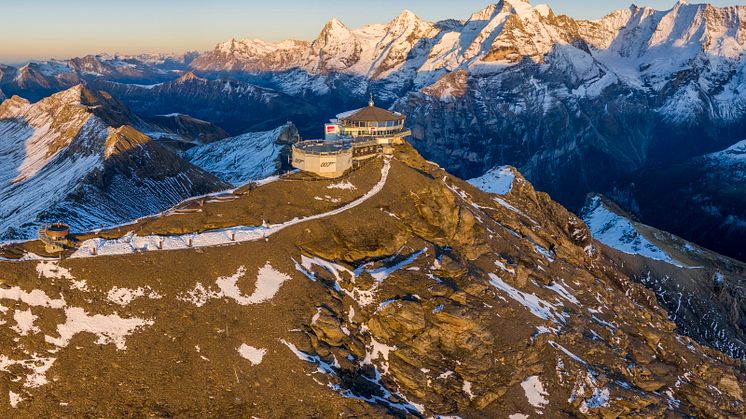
345	147
397	134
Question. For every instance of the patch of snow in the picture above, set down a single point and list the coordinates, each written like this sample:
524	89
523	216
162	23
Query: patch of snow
252	354
344	185
34	298
80	285
534	304
567	352
386	397
109	329
505	204
466	388
14	399
52	270
544	252
37	366
322	366
563	292
362	297
534	391
124	296
445	375
599	398
378	350
380	274
505	268
25	322
268	282
498	180
316	316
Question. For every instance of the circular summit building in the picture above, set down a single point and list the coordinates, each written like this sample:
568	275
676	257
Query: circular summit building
353	136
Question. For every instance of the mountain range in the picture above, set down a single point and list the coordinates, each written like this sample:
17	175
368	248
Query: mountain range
578	106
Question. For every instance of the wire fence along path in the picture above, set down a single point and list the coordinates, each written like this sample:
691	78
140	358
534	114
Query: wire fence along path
133	243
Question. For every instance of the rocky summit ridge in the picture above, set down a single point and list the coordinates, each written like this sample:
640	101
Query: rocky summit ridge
399	290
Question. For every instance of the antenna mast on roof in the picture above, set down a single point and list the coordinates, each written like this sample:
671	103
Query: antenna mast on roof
370	103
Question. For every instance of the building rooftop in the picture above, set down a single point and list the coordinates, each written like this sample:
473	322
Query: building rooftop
370	113
313	146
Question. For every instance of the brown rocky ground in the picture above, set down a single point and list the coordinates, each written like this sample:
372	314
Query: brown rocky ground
430	298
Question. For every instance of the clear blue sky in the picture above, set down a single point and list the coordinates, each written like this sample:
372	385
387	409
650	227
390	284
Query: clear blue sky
40	29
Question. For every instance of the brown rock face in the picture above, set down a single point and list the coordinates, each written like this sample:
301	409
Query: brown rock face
465	341
429	298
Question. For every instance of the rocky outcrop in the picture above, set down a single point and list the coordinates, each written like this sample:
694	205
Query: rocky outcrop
464	341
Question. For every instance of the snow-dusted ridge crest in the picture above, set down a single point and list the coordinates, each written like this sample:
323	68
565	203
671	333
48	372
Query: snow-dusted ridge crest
77	156
132	243
620	233
622	40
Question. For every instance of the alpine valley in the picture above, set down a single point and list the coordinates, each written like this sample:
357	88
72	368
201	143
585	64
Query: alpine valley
562	235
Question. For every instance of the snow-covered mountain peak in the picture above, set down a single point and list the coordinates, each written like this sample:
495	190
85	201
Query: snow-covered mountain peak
406	15
487	13
519	7
248	48
335	49
71	96
227	46
333	28
406	20
47	68
630	47
189	76
75	156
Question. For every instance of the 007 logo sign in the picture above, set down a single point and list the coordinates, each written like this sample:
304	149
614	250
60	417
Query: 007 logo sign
327	164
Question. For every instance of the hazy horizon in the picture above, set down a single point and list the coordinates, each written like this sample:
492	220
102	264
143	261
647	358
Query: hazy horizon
47	29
